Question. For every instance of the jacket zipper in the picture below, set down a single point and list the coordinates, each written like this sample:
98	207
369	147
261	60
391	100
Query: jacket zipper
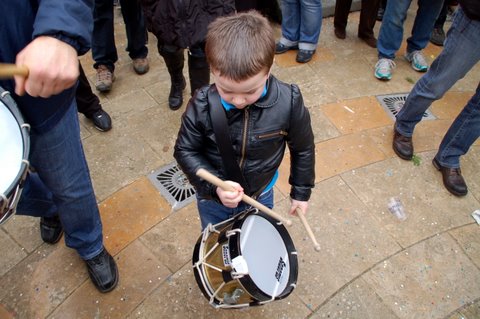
272	134
244	138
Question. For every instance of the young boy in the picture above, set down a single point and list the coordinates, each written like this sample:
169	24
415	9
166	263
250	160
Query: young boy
263	116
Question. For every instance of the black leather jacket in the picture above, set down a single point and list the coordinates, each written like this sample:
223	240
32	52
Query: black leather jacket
259	135
183	23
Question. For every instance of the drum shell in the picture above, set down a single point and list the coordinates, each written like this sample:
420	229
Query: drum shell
11	195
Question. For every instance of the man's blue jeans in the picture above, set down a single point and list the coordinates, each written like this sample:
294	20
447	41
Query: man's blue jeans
103	39
391	31
62	185
301	23
460	53
212	212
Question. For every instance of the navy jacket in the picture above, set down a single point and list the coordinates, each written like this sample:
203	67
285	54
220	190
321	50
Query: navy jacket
23	20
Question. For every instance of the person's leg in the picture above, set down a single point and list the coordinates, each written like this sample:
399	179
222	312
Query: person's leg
368	18
438	34
87	102
198	69
342	9
89	105
136	35
460	53
463	132
290	23
57	156
310	24
175	60
104	51
442	16
391	31
427	13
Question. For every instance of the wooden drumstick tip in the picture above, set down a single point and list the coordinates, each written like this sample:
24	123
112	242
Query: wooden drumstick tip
317	248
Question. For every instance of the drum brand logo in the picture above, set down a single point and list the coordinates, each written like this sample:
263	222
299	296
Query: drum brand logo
226	256
280	267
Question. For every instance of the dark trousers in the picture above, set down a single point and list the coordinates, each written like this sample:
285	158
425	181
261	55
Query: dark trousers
442	16
368	16
103	39
87	102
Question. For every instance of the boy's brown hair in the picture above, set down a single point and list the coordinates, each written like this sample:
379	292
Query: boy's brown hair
240	46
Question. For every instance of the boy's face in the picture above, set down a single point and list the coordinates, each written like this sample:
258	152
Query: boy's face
243	93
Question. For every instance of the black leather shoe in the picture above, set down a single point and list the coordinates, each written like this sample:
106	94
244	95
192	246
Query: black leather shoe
303	56
340	33
280	48
51	229
402	145
102	120
452	179
103	271
175	98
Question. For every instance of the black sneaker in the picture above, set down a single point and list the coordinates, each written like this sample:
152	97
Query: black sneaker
438	36
51	229
103	271
102	120
303	56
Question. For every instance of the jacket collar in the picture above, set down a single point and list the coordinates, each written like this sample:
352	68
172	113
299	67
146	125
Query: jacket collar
272	96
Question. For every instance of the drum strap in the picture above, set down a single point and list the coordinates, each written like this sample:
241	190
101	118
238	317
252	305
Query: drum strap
222	136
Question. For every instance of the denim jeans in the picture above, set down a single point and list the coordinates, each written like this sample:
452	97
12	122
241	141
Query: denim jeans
61	184
213	212
301	23
391	31
460	53
103	39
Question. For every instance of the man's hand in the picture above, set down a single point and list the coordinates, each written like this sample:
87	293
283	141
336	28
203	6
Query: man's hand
230	199
298	204
52	65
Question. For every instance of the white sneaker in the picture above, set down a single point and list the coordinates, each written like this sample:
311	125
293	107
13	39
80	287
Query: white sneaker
383	69
417	60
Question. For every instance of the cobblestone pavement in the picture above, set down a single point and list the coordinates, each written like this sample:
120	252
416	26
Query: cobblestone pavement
370	265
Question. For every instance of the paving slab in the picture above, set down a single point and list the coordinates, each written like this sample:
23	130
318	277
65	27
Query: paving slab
428	280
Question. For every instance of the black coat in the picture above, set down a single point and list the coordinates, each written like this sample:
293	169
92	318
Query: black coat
183	22
259	135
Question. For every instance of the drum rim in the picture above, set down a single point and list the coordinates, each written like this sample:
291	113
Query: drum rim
11	105
246	280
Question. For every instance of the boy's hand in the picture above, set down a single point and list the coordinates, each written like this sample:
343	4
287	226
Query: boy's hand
230	199
300	204
52	66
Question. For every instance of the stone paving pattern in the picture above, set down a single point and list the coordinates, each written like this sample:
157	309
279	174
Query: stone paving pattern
371	265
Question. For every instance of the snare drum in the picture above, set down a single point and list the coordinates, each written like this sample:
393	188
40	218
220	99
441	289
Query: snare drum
245	261
14	148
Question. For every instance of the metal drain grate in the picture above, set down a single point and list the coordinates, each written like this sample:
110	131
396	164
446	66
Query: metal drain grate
392	104
173	185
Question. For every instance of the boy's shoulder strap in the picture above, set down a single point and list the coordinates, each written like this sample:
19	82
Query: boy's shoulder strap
222	136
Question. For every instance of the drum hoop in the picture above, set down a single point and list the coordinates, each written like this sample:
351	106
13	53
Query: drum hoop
246	280
15	187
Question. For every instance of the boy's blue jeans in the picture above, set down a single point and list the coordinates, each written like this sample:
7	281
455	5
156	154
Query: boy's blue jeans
213	212
460	53
62	185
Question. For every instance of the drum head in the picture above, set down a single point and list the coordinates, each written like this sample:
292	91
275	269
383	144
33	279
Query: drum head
11	145
266	248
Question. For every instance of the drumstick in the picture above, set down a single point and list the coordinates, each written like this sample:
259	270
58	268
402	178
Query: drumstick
247	199
9	70
301	215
